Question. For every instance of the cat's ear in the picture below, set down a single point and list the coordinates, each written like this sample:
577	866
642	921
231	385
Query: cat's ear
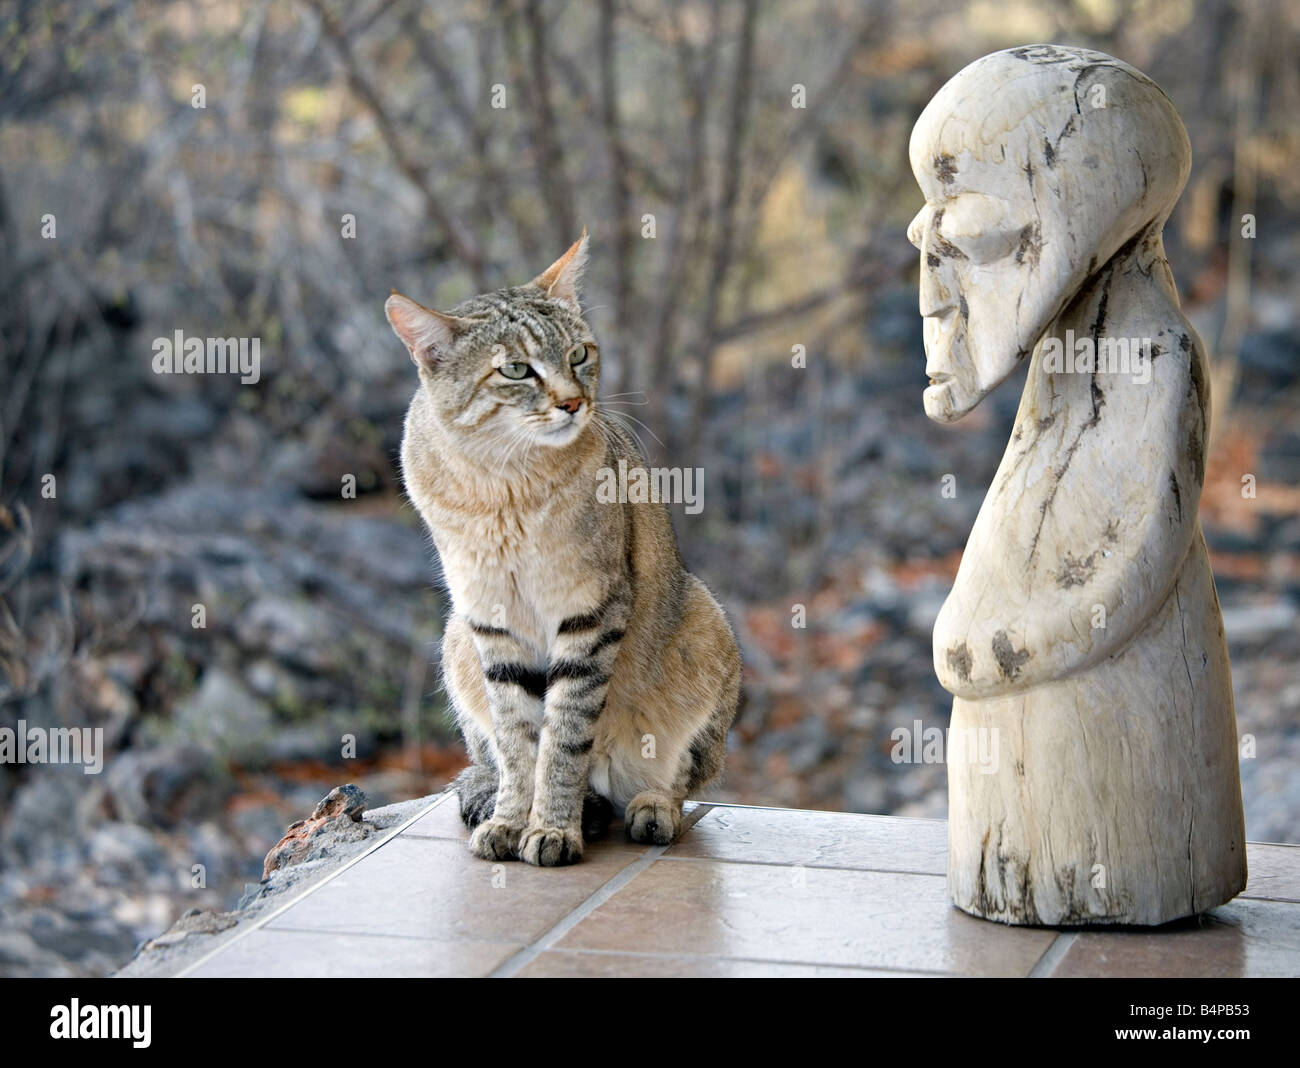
563	278
427	334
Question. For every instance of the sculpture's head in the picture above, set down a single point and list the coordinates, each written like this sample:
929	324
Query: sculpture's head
1037	164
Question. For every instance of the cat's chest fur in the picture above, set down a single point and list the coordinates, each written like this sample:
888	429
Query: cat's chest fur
512	554
514	569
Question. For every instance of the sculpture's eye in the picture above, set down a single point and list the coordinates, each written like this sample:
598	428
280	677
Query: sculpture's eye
515	370
981	228
578	355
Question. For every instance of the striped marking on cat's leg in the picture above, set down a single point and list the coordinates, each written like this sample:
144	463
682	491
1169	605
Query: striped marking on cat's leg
582	664
516	687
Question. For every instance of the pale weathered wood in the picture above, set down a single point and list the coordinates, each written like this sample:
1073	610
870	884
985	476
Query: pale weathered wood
1083	633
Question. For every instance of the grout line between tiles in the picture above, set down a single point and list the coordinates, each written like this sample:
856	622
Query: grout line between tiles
1053	955
607	890
271	914
598	898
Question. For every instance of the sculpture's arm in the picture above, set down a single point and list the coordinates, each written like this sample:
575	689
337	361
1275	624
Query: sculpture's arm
1066	567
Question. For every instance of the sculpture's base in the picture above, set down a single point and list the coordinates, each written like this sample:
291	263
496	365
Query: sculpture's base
1114	797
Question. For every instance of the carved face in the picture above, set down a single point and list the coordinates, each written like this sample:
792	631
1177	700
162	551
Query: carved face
1031	182
984	287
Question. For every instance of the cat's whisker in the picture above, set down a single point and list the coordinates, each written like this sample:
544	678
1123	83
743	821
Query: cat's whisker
522	442
528	450
494	438
515	438
633	418
491	438
625	415
634	435
606	433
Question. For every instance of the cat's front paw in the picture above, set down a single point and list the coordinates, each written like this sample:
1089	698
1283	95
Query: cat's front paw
653	817
549	847
496	839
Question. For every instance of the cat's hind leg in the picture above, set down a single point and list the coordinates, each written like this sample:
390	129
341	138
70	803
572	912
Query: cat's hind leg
669	741
654	816
597	815
476	787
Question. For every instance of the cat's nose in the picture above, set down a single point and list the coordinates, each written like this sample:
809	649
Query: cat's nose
571	405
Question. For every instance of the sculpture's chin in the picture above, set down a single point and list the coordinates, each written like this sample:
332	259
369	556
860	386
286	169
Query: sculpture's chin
948	401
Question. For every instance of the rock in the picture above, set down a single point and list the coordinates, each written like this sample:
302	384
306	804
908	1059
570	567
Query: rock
866	791
1248	624
164	787
344	800
335	820
295	631
124	854
321	738
21	956
49	942
1267	362
814	743
224	718
194	922
40	815
346	829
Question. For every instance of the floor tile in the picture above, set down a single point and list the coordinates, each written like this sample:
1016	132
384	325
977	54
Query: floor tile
566	964
818	839
440	821
1274	872
803	915
313	954
433	888
1242	938
443	822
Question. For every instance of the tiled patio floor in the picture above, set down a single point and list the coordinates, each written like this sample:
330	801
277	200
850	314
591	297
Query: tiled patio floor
743	892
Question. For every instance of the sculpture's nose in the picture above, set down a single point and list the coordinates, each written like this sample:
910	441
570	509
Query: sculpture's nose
917	227
936	288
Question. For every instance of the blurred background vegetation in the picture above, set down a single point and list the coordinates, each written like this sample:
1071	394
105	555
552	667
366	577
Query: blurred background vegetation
774	226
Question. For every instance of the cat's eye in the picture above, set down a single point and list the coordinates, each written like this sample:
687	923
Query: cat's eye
578	355
515	370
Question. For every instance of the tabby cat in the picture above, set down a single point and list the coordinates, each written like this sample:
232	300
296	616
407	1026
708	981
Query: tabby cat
587	668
